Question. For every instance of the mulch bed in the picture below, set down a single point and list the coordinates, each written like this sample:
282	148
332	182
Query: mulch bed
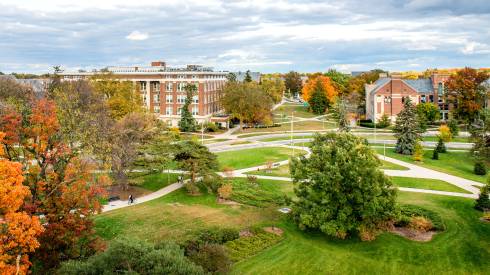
274	230
413	235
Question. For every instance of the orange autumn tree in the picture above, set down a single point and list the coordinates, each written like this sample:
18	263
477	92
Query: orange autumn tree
319	90
18	230
64	188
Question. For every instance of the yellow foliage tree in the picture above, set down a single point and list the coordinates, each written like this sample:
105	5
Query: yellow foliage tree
326	84
445	133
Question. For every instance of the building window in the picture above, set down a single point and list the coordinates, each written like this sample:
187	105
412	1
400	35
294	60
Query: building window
181	98
156	86
179	111
143	86
156	109
431	98
156	98
195	99
387	99
181	86
169	98
195	111
169	111
440	89
170	87
422	99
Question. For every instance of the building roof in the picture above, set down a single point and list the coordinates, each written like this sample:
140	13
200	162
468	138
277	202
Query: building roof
421	85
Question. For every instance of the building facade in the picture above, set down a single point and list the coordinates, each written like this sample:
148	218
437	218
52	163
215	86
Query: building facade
387	95
163	92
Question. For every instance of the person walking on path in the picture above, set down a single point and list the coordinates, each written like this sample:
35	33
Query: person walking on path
131	199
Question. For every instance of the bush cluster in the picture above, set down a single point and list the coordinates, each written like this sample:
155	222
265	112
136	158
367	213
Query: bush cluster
262	126
246	247
480	168
408	212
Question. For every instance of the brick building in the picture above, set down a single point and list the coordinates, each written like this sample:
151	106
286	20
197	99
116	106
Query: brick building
387	94
162	89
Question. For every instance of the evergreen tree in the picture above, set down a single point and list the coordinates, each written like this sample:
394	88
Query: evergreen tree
187	122
340	189
483	201
407	130
248	77
435	154
318	100
231	77
418	152
440	148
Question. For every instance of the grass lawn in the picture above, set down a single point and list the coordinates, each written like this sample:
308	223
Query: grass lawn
431	184
454	139
455	163
281	171
284	138
464	248
298	126
153	182
299	111
253	157
391	166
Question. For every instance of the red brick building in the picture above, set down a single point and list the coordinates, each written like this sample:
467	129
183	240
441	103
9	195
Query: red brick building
387	94
162	88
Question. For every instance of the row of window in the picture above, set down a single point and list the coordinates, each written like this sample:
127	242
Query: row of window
169	110
155	86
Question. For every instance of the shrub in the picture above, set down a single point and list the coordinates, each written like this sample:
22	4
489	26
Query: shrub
384	122
418	153
212	235
212	182
210	127
191	188
407	212
246	247
483	201
441	148
212	258
435	154
453	127
225	191
420	224
129	256
480	168
367	234
445	133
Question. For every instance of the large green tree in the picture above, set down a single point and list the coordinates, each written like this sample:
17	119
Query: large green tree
429	111
187	122
274	88
465	90
195	158
340	113
318	100
340	189
407	129
293	83
247	102
339	80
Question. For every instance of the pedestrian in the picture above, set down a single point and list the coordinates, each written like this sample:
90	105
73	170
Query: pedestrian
131	200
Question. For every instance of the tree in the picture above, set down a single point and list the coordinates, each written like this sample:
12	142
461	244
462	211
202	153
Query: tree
231	77
429	111
320	84
356	87
247	102
195	158
293	83
122	97
187	122
340	113
225	191
440	147
318	101
63	188
18	230
480	168
274	88
407	129
340	189
339	80
435	154
248	77
466	92
454	127
482	203
445	133
418	152
130	256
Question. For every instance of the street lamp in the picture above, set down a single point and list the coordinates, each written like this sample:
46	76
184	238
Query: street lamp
292	129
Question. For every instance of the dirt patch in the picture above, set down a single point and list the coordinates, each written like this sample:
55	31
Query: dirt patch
245	233
116	190
274	230
414	235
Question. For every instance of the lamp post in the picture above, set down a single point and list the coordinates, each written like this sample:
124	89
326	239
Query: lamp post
202	133
292	129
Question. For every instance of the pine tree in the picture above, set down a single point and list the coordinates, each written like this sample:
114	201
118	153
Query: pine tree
483	201
440	148
407	130
418	152
187	122
340	113
435	154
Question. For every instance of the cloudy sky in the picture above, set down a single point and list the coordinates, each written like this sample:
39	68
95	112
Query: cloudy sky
260	35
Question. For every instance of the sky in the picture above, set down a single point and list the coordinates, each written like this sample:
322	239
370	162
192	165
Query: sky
259	35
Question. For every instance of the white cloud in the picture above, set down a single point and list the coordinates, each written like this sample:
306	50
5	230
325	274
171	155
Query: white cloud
137	36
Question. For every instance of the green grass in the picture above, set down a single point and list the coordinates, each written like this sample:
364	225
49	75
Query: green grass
430	184
263	193
298	126
253	157
453	162
281	171
299	111
391	166
454	139
464	248
153	182
284	138
252	135
239	142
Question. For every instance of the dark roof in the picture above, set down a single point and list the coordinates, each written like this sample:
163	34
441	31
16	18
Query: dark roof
422	85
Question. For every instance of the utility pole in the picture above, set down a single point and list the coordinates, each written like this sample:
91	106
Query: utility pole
202	133
292	129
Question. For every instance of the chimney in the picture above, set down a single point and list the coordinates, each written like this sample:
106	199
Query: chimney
158	64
